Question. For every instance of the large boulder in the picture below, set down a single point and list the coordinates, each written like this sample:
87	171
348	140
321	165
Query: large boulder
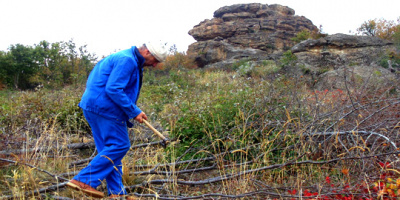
255	30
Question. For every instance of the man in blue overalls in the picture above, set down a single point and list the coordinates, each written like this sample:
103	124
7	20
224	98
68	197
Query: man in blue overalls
108	103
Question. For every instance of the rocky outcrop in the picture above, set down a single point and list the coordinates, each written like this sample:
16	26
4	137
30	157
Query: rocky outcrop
367	75
258	31
341	49
339	58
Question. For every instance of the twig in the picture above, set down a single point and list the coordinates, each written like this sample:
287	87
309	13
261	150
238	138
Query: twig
347	88
360	132
369	116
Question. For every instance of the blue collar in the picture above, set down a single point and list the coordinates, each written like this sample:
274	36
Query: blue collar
138	56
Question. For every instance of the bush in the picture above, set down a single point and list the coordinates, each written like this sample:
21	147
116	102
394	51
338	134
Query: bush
390	56
301	36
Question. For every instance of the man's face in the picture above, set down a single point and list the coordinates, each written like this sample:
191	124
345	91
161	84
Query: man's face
150	60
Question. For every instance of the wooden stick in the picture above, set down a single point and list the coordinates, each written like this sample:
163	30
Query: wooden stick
154	130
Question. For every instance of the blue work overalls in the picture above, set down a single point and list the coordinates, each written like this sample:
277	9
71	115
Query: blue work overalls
108	103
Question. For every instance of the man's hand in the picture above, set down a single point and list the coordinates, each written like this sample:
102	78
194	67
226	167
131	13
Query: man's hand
141	117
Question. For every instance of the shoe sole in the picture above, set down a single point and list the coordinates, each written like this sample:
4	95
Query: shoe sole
88	192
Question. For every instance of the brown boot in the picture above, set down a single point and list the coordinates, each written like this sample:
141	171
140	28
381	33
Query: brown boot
121	197
87	189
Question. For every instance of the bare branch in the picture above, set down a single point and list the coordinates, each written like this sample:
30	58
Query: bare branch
359	132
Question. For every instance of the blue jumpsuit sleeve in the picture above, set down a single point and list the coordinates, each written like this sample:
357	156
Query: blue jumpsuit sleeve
124	69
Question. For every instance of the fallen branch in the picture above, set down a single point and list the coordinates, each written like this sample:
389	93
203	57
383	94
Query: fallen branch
144	145
34	150
152	171
234	175
51	188
36	168
258	193
167	173
214	195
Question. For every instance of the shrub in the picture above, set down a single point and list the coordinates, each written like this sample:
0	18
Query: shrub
288	59
178	61
301	36
257	68
390	56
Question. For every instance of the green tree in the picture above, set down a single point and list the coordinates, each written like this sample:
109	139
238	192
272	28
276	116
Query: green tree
87	61
5	62
21	66
385	29
367	28
396	34
62	63
49	64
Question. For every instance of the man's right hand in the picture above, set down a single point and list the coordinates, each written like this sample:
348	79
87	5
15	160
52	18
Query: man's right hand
140	117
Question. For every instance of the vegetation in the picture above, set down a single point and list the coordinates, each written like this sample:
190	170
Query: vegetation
52	65
388	30
305	35
259	134
258	130
385	29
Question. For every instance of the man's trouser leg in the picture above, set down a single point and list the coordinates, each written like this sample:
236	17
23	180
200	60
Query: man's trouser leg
112	143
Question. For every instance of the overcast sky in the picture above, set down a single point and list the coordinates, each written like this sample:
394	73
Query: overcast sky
105	25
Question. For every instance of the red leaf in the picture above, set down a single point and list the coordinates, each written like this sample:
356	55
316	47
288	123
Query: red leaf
292	191
306	193
328	180
384	165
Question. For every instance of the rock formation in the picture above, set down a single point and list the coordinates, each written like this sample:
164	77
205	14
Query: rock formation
264	32
341	49
246	31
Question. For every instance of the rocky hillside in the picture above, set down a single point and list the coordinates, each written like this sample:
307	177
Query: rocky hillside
246	31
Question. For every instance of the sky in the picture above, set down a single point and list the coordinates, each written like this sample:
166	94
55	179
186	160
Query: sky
107	26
